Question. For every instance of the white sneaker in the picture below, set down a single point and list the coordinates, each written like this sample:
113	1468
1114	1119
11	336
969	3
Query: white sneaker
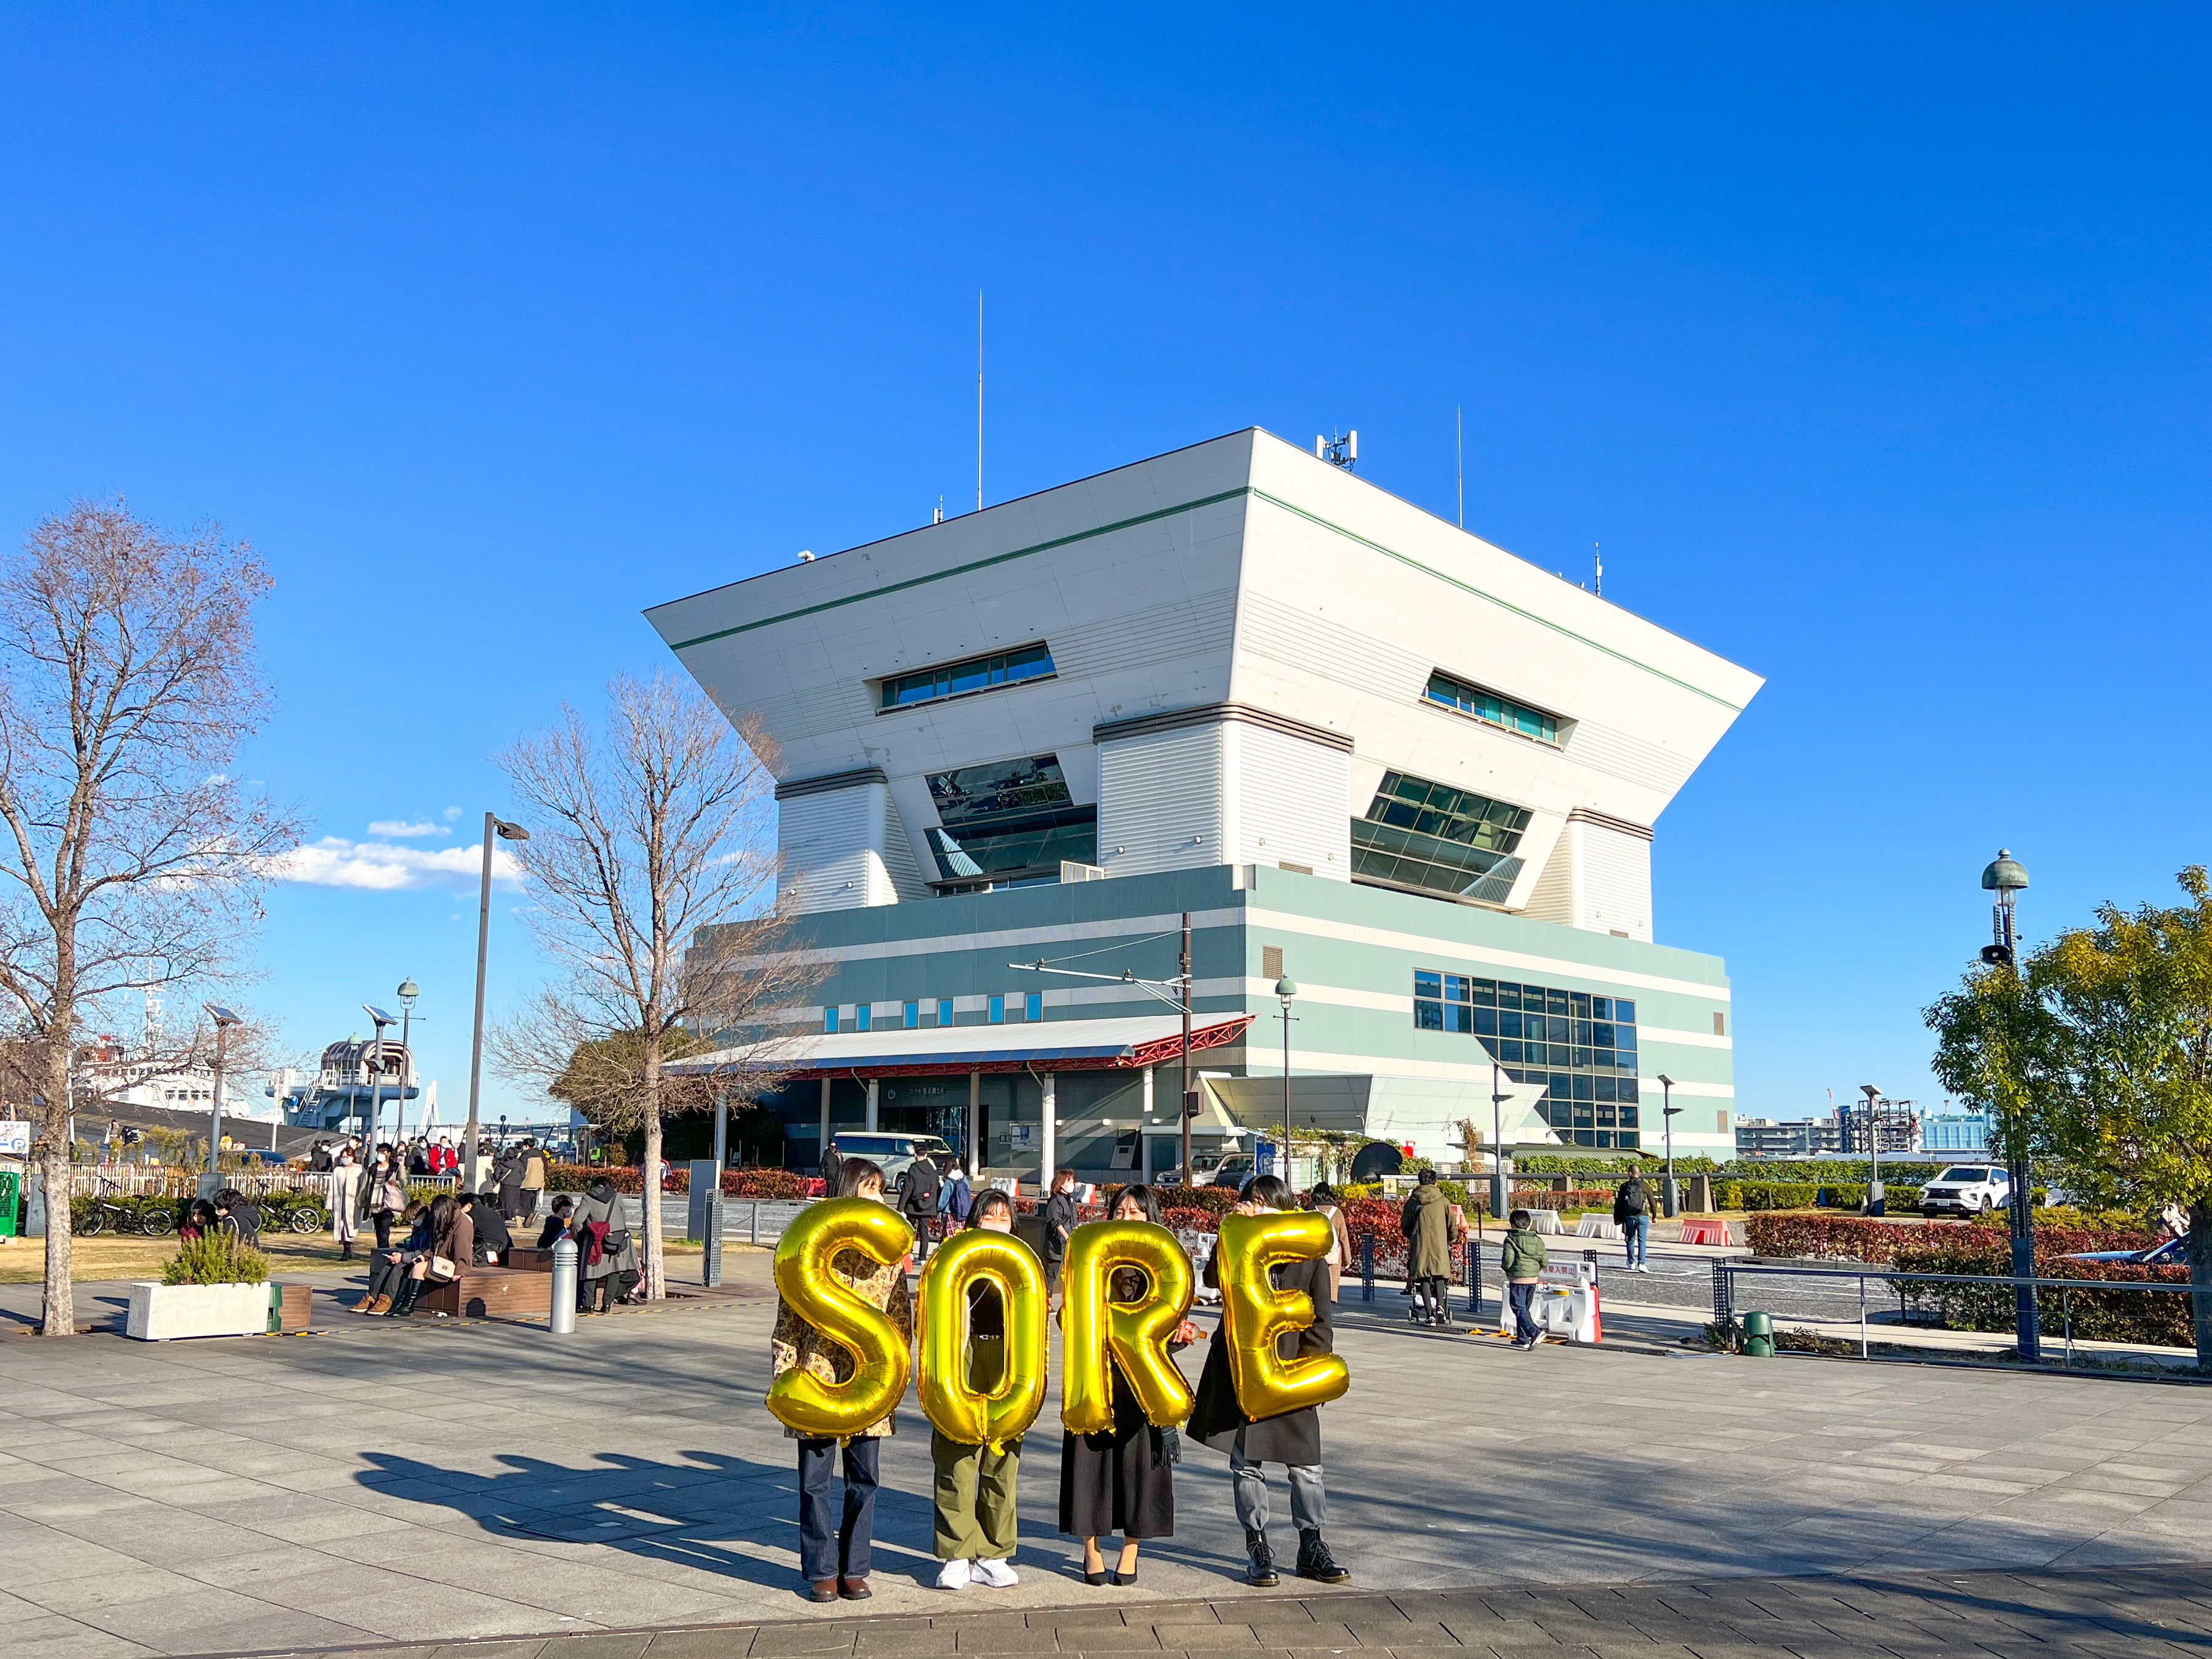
954	1575
999	1575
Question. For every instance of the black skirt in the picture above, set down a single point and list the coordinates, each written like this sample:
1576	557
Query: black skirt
1118	1480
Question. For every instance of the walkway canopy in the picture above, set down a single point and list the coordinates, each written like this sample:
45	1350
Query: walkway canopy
1129	1042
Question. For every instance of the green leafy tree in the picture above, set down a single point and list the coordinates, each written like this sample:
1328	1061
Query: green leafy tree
2098	1056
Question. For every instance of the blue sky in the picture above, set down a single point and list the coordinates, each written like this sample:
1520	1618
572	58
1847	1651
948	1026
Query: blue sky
1870	343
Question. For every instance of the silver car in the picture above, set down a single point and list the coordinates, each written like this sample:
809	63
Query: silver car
894	1154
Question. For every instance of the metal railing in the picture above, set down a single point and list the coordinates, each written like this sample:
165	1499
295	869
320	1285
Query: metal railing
1726	1270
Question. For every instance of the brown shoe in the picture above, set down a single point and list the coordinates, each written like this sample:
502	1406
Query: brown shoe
824	1590
854	1589
367	1304
382	1304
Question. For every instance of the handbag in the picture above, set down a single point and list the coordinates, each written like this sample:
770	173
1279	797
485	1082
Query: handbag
441	1267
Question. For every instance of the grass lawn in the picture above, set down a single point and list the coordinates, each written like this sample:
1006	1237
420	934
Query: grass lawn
23	1260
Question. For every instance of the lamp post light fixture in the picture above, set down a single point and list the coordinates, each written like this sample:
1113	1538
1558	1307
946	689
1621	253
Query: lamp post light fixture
1285	989
375	1113
1670	1194
1874	1147
224	1019
471	1165
409	990
1500	1181
2005	878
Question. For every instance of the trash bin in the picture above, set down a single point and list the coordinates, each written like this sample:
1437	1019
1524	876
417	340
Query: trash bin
1758	1335
11	1202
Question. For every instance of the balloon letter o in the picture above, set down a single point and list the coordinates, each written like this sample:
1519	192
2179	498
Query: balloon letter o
1136	1333
1254	1313
957	1411
801	1400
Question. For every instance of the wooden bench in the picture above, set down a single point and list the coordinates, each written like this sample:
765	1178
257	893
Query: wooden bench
493	1294
527	1259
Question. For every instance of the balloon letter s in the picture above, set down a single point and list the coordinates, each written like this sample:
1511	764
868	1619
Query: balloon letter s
1136	1332
1254	1313
801	1400
1005	1412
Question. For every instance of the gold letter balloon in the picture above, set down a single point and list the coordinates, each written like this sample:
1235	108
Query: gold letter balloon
1003	1412
1136	1333
801	1400
1254	1313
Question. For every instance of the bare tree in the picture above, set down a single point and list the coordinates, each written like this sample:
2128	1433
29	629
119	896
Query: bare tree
129	856
652	868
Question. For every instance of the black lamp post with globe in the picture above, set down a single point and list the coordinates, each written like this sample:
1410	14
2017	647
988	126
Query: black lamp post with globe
2005	878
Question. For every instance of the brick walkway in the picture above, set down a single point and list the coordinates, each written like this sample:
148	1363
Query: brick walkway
2132	1612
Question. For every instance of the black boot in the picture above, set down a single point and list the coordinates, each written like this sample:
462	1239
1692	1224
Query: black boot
1263	1561
403	1305
1316	1562
346	1251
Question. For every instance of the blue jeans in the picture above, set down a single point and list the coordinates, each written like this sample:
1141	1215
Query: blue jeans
832	1545
1524	1323
1636	1234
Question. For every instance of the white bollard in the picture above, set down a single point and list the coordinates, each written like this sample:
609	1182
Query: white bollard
563	1321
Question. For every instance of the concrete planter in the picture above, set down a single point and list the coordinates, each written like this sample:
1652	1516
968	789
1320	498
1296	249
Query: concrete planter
160	1313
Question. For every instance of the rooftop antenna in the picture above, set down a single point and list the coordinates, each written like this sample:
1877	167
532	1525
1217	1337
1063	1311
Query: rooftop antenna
1597	557
978	398
1342	450
1459	451
940	519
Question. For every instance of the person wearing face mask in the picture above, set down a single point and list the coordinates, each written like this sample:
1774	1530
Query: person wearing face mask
345	1202
835	1552
1123	1479
383	1195
1293	1439
972	1496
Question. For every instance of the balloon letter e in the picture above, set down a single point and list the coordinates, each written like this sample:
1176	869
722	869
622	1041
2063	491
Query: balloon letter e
1254	1313
958	1411
1136	1332
801	1401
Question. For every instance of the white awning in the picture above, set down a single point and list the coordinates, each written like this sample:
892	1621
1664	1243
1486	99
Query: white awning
1049	1045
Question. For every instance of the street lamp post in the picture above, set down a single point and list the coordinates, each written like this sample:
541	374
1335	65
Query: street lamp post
1285	989
1670	1194
1874	1206
1498	1179
224	1019
375	1109
472	1166
409	990
2005	878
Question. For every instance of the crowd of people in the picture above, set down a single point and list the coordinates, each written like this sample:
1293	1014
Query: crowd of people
1119	1480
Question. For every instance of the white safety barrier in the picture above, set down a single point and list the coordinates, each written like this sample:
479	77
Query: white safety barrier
1594	1225
1566	1301
1546	1221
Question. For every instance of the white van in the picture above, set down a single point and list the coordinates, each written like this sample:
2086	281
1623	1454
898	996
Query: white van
1967	1189
894	1153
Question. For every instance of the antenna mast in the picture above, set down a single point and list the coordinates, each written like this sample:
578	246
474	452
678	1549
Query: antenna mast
979	400
1597	557
1459	454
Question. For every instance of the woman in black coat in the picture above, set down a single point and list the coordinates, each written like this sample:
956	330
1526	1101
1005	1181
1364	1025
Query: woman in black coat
1123	1479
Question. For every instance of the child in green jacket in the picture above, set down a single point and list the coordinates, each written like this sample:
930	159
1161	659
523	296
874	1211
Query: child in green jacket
1522	1261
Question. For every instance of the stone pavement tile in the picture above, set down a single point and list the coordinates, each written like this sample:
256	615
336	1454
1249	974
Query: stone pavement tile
1527	1650
52	1637
1216	1637
1399	1633
776	1641
76	1598
1110	1638
380	1609
1075	1617
999	1639
614	1644
1270	1632
905	1640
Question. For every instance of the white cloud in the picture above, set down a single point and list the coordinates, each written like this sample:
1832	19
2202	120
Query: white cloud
380	867
451	813
402	829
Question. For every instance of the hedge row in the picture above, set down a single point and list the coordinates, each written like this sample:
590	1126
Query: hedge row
1857	1238
2161	1317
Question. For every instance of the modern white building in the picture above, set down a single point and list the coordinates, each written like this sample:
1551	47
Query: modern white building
1362	747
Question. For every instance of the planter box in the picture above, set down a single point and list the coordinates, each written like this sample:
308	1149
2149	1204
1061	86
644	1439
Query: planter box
160	1313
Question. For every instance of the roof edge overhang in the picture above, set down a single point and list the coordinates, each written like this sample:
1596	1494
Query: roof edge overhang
1069	1055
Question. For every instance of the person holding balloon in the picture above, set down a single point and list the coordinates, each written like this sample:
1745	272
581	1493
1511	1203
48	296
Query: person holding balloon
812	1367
1121	1478
1270	1367
972	1496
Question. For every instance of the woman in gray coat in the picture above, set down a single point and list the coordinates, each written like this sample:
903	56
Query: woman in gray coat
608	1255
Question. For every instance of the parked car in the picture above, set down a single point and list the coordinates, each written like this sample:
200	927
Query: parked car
1233	1171
1966	1189
894	1153
2170	1252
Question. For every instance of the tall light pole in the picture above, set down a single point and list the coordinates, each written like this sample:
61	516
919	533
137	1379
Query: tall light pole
1670	1194
1285	989
224	1019
375	1083
1874	1147
471	1165
1183	1100
1500	1197
409	990
2005	878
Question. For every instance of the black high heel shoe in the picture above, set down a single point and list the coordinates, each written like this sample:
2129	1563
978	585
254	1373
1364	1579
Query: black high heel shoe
1122	1578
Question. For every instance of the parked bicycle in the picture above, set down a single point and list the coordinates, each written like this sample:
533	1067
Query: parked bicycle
149	1220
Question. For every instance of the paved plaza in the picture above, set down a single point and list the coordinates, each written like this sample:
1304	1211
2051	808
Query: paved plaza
431	1482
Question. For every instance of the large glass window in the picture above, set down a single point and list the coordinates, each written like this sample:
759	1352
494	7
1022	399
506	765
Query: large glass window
1496	710
1008	824
959	679
1433	838
1581	1048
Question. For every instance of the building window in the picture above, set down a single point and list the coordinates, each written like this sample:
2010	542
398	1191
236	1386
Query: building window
912	1014
998	1010
828	1019
1581	1048
1431	838
1033	1006
1031	662
1489	707
945	1011
867	1017
1008	824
